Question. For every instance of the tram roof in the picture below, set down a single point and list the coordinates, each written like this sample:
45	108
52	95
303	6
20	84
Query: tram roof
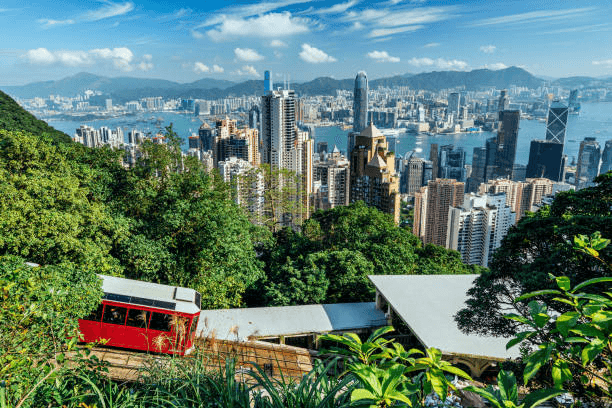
148	294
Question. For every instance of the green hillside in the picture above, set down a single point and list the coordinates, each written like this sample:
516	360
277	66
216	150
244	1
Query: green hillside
14	117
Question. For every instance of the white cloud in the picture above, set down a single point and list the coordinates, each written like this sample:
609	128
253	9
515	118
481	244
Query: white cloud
421	62
197	35
40	56
488	49
402	16
455	65
337	8
200	68
48	23
247	70
382	56
249	10
109	9
535	16
121	58
431	45
247	54
268	25
496	66
145	66
383	32
217	69
607	62
314	55
278	43
147	57
357	26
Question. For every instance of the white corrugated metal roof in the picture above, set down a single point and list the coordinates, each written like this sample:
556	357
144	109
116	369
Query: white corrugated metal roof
428	303
153	291
232	324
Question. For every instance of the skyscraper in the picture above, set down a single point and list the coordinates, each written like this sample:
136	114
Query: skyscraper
441	195
372	173
606	158
454	103
520	196
451	163
412	176
479	169
283	146
504	102
433	157
506	142
360	102
268	83
278	128
588	161
331	180
546	160
557	122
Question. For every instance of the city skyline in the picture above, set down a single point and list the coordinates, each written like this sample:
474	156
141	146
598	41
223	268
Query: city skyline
187	41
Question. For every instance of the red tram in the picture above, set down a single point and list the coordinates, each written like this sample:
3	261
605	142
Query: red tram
144	316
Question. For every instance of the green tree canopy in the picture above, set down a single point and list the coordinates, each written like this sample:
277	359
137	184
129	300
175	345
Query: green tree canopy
336	251
540	244
40	308
47	212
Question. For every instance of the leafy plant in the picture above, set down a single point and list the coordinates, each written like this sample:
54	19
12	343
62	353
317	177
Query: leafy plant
577	342
506	394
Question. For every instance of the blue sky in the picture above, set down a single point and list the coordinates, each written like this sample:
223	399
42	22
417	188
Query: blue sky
303	39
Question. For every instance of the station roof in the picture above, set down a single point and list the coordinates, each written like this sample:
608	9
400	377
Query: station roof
262	322
154	295
428	303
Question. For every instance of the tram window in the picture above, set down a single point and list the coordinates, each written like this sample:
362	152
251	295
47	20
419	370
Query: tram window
160	321
194	324
114	314
138	318
95	315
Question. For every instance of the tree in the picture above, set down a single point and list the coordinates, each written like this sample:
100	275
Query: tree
40	308
337	250
48	214
186	229
540	244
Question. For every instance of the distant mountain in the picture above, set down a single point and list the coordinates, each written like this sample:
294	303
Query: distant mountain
124	89
14	117
76	84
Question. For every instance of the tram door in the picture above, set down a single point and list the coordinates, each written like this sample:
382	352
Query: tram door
113	325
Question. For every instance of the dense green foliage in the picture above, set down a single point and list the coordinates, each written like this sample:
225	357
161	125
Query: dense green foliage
39	311
330	259
14	117
537	246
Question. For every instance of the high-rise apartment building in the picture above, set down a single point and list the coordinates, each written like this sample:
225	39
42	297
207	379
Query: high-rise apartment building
435	203
503	102
283	145
419	219
477	228
360	103
412	176
588	162
247	183
556	124
372	174
229	141
331	181
520	196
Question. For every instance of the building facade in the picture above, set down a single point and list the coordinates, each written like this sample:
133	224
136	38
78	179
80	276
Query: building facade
372	174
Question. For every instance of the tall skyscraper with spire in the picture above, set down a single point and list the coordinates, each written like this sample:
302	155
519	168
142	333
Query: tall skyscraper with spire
360	102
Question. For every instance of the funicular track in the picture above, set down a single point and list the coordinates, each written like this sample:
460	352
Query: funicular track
275	359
